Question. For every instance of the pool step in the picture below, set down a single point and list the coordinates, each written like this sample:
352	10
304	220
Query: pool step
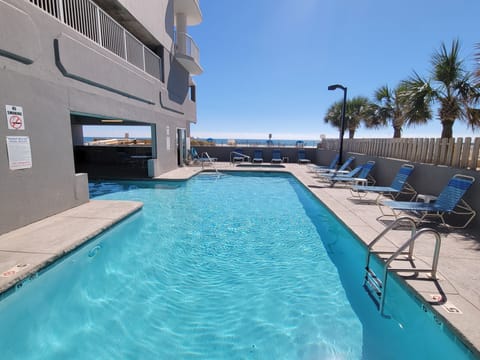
373	282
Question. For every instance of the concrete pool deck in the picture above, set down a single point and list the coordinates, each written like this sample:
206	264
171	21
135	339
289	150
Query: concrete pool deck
25	251
39	244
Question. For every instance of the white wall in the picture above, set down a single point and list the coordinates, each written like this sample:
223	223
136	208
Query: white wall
155	15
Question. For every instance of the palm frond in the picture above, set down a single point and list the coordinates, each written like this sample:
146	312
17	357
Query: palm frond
447	65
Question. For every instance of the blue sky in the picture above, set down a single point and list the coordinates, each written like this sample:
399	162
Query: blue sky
268	62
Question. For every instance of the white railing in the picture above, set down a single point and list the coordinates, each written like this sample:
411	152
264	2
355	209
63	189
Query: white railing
185	45
90	20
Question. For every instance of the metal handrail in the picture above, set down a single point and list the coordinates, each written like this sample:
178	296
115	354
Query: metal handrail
413	230
210	160
432	270
382	287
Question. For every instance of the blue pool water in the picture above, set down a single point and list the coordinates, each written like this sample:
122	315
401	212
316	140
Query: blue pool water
236	267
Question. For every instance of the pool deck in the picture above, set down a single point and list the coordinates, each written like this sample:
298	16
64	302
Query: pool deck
455	296
25	251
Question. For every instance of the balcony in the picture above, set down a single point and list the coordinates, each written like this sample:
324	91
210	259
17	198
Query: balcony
191	10
187	53
89	19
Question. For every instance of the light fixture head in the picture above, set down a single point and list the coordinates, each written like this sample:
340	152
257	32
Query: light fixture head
111	121
336	86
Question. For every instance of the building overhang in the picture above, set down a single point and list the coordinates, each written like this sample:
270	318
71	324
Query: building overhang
189	63
191	10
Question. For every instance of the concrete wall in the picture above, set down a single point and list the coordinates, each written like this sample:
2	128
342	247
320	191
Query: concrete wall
222	153
149	11
425	179
52	71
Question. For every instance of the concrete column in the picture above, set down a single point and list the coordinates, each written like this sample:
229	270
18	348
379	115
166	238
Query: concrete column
181	21
77	134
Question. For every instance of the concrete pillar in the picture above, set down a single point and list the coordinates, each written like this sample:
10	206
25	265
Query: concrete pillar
181	21
77	134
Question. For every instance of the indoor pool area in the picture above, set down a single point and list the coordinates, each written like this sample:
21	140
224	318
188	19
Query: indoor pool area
238	265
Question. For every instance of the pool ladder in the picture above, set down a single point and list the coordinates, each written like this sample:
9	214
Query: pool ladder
376	286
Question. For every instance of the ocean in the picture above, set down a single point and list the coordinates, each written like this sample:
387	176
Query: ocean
260	142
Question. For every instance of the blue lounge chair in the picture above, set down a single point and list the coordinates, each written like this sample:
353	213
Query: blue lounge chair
257	156
332	172
449	201
362	176
398	186
331	166
276	156
302	159
351	174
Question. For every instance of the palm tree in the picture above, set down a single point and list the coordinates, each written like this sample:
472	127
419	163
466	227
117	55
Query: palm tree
387	108
355	113
450	85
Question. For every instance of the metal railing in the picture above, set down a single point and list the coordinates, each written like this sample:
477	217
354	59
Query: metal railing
89	19
185	45
380	285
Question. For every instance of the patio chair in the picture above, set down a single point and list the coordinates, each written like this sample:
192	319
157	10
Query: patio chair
257	156
398	186
276	156
361	177
449	201
342	170
238	155
302	159
331	166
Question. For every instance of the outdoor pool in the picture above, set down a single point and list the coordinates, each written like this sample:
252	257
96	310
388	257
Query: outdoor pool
241	266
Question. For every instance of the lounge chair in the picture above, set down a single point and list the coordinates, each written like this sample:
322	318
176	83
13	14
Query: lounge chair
331	166
276	156
238	155
449	201
342	170
201	158
257	156
361	177
302	159
398	186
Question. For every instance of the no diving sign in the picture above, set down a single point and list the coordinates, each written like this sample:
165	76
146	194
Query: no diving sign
15	119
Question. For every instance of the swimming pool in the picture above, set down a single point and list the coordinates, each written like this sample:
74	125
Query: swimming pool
247	266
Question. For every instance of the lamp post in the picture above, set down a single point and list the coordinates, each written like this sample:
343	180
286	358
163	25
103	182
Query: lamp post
342	125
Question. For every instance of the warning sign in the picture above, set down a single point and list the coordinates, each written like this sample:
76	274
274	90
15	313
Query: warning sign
15	119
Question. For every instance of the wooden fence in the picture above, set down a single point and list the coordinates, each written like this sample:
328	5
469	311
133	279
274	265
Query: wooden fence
461	153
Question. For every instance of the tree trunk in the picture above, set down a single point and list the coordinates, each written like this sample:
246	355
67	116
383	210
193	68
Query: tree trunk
397	132
447	129
351	133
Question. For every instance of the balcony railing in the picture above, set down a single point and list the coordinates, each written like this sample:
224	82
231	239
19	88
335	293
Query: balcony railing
90	20
187	52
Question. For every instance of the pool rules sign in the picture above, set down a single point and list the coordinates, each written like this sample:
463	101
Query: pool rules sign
15	119
19	152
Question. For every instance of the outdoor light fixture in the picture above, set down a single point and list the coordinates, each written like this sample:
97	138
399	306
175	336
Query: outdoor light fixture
111	121
342	125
